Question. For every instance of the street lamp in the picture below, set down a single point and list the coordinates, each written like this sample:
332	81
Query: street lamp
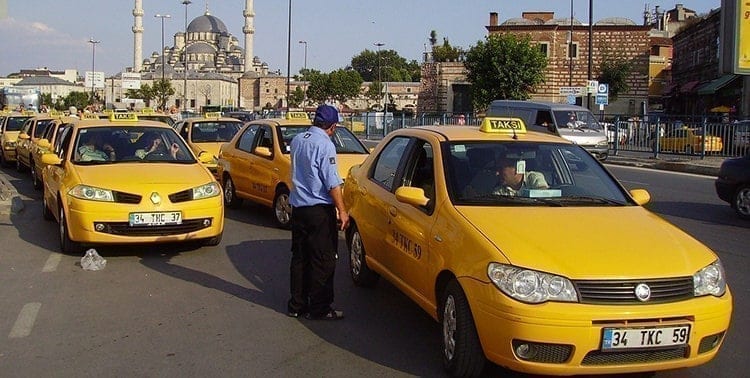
163	62
184	53
380	82
288	53
305	43
305	71
93	56
570	48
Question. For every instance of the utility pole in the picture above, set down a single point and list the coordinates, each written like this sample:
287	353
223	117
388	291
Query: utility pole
184	53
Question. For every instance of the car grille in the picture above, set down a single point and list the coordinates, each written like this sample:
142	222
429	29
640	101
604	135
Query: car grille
124	228
122	197
634	357
185	195
623	291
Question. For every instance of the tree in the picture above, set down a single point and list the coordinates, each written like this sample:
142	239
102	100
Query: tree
77	99
340	85
296	98
615	73
385	65
447	53
146	93
162	91
503	66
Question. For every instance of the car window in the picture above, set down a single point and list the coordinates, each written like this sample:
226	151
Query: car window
41	127
15	123
246	139
265	138
214	131
287	133
26	128
419	171
551	175
387	163
115	144
346	142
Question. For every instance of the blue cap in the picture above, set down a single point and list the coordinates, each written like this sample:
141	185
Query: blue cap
326	115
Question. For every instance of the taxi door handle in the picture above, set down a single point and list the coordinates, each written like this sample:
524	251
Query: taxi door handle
392	211
362	189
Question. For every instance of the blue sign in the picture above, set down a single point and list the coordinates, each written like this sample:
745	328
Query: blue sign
602	99
602	89
571	99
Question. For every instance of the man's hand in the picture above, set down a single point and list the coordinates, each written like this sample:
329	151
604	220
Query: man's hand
343	220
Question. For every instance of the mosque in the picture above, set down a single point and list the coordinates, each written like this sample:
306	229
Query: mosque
206	65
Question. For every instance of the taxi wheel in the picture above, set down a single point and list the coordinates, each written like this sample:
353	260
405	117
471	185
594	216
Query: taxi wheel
214	240
742	202
46	213
282	209
361	273
3	162
19	165
230	196
66	245
462	352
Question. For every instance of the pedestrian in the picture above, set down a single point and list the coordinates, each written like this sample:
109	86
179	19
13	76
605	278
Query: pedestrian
315	198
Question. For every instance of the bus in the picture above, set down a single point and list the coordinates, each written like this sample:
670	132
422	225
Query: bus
11	98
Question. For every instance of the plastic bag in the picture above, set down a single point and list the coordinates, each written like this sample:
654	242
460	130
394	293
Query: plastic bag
93	261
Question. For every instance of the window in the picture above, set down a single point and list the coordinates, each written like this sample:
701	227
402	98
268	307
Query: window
246	140
544	48
573	50
388	161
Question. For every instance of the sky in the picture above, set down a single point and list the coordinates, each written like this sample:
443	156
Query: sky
55	34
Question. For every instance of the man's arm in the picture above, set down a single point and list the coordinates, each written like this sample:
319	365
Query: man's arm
338	201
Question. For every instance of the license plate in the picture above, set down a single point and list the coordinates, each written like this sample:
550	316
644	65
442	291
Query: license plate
155	219
639	338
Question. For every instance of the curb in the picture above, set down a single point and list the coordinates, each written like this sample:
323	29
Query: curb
10	201
673	166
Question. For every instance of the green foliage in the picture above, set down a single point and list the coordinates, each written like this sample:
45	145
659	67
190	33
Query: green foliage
77	99
385	65
503	66
447	53
340	85
615	73
46	99
296	97
162	90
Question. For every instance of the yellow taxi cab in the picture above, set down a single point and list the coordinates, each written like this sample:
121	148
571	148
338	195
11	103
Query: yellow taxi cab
690	141
33	130
256	164
123	181
511	240
148	114
45	145
207	134
9	129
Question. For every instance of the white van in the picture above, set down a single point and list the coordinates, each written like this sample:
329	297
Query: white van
574	123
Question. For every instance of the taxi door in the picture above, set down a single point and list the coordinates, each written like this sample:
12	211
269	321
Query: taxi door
409	227
54	174
238	160
264	171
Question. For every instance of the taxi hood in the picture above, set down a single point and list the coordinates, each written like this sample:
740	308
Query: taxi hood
346	161
210	147
590	242
121	178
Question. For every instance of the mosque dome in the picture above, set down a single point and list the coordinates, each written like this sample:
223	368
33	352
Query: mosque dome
207	24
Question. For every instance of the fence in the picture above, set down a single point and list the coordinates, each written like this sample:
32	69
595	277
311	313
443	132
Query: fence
680	135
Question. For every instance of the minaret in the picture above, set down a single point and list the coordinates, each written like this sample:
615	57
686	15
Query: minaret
248	30
138	36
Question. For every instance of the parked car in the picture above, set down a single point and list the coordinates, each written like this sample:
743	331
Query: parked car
206	134
689	141
733	184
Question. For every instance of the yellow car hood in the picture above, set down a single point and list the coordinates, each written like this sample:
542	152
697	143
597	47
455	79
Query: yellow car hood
139	177
346	161
590	242
212	148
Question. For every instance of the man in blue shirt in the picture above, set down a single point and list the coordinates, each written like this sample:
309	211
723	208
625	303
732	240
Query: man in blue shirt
315	198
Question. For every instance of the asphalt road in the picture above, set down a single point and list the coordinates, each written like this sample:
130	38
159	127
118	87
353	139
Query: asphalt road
181	310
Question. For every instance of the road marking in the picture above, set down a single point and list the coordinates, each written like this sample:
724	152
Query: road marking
25	321
52	262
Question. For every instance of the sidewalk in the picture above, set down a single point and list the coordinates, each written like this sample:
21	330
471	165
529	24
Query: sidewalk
10	201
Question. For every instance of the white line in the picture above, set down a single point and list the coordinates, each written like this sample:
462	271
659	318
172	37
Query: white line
25	321
52	262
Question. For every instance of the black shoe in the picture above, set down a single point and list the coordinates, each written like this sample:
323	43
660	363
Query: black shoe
330	315
296	314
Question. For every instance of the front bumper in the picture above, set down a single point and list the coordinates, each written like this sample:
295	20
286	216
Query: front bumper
568	336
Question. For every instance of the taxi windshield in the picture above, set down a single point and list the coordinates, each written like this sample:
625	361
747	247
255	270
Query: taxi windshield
115	144
522	174
15	123
344	140
214	131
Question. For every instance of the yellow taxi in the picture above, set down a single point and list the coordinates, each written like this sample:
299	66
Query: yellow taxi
148	114
33	130
207	134
690	141
511	240
9	129
256	164
45	145
123	181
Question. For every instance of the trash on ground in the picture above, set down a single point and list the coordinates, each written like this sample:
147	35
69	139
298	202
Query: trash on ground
93	261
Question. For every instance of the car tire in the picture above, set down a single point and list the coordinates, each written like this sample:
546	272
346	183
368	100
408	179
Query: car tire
230	194
19	165
741	203
360	272
46	213
462	352
67	246
35	180
3	162
282	210
214	240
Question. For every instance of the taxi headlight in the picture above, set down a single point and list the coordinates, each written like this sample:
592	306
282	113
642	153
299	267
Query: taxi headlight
91	193
710	280
10	144
603	142
531	286
206	191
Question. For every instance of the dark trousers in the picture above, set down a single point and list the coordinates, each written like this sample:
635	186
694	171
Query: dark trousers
314	248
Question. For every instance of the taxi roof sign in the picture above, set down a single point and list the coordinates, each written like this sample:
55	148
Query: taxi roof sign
212	115
129	117
503	125
90	116
296	115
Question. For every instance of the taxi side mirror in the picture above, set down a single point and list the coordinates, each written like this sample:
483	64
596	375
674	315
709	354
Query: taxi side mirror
205	157
263	151
641	196
412	196
43	143
51	159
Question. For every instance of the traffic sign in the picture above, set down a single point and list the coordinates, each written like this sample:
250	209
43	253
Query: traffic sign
602	99
576	91
571	99
602	89
592	86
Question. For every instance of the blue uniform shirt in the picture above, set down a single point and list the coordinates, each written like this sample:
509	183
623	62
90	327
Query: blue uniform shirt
314	171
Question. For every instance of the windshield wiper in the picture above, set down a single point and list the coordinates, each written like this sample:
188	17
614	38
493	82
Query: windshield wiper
494	198
592	199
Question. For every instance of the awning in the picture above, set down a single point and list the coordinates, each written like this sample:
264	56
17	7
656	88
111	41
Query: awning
714	85
689	86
